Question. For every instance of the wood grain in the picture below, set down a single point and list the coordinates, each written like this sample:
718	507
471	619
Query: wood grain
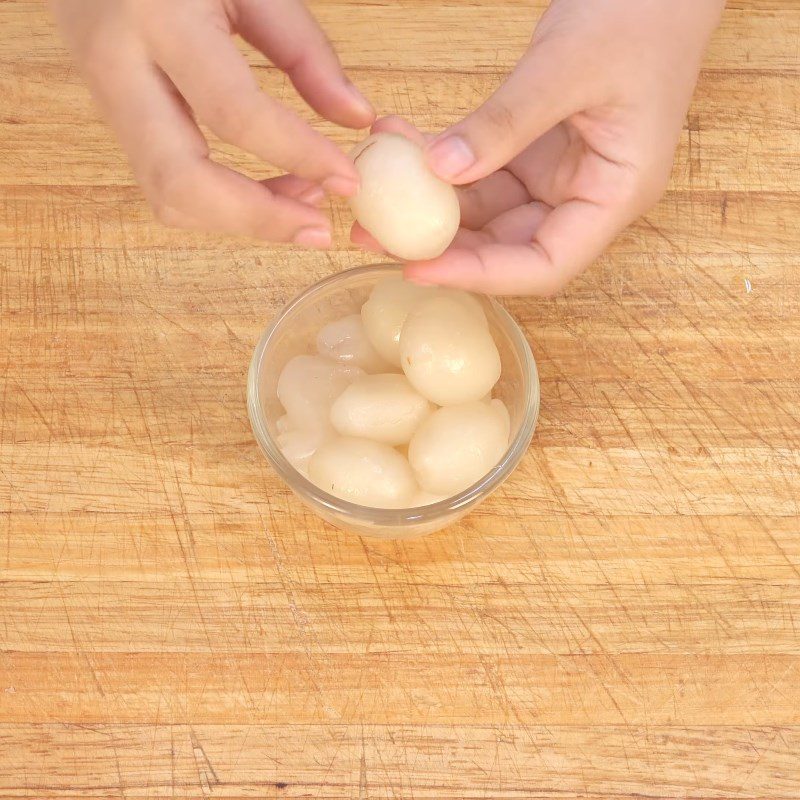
621	620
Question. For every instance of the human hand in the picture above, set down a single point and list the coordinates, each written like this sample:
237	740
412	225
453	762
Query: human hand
575	145
153	66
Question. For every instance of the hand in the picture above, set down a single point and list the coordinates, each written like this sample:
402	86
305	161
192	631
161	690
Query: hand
574	146
155	64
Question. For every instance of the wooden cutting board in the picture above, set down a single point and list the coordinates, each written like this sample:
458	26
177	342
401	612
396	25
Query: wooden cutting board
621	620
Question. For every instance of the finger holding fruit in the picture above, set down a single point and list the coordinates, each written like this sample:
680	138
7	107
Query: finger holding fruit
571	148
159	70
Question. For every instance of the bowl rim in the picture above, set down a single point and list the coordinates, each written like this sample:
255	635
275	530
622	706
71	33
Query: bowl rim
391	517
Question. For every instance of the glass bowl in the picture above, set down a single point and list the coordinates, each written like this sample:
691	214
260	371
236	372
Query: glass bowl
294	332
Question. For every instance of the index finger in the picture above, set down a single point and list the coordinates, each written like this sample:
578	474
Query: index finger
199	56
170	159
287	33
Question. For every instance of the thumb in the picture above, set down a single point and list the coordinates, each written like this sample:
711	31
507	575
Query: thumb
540	92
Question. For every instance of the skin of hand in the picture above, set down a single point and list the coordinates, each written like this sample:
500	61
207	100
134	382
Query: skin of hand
573	147
157	66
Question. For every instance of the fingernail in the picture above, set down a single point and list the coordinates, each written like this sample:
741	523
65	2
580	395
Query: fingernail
314	195
318	238
341	185
361	101
449	157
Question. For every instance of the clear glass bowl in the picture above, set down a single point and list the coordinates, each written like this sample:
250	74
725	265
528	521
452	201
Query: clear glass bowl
294	332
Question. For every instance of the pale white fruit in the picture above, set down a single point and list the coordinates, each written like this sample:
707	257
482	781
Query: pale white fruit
385	312
307	387
346	340
409	210
425	499
391	301
384	408
282	424
447	354
456	446
298	446
500	408
466	299
363	472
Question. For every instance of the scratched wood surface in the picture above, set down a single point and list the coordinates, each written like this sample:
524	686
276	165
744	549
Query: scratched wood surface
621	620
